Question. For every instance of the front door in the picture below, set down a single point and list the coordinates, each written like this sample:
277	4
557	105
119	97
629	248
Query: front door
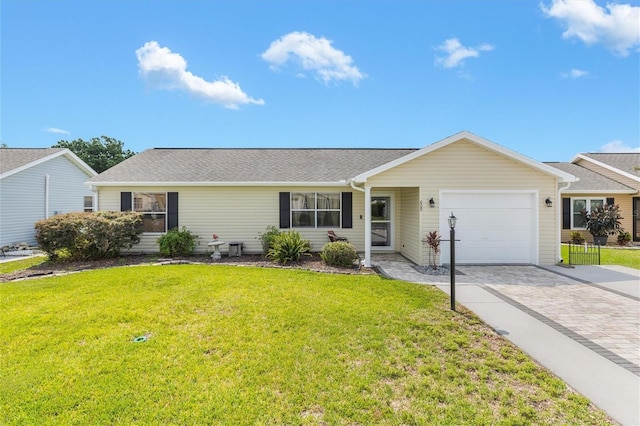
381	222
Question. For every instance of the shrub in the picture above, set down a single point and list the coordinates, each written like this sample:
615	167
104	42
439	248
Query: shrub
288	246
95	235
339	253
624	238
177	242
267	238
576	237
603	221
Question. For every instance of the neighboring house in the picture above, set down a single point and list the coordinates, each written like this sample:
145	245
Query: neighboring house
380	199
36	183
603	179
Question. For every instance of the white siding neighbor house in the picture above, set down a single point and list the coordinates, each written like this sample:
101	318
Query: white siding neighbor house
382	200
36	183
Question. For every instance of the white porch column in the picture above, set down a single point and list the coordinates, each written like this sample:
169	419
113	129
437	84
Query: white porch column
367	226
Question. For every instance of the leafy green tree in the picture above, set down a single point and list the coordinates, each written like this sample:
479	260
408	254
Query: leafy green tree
99	153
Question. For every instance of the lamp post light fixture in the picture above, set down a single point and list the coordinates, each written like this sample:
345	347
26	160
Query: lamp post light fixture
452	267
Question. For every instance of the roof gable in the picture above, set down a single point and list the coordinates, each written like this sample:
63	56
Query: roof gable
624	164
591	182
470	137
16	160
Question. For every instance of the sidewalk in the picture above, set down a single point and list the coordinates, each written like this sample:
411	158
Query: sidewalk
596	370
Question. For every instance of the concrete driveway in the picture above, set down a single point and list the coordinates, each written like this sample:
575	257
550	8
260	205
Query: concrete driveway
582	323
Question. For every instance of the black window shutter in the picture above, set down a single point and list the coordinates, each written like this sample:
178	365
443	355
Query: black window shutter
347	210
125	201
285	210
172	210
610	201
566	213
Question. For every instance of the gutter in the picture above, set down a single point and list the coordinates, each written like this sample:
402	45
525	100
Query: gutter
559	204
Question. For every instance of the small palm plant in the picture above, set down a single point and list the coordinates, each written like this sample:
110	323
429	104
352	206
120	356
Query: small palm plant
433	240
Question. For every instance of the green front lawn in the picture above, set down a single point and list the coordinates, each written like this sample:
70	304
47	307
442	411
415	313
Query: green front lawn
237	345
16	265
612	256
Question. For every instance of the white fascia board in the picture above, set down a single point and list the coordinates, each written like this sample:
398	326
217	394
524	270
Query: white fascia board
66	152
600	191
562	176
327	184
606	166
81	164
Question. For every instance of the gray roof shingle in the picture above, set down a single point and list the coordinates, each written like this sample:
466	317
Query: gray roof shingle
13	158
257	165
627	162
590	180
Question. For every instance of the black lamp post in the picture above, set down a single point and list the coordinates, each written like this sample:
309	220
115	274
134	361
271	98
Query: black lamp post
452	268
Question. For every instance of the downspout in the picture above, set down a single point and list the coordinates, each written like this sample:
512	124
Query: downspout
46	196
560	218
367	223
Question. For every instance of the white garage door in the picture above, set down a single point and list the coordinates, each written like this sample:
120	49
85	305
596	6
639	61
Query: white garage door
492	227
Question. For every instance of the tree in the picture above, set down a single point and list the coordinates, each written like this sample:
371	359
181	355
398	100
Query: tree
99	153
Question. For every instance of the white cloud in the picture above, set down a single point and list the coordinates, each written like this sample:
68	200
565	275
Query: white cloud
168	70
575	73
315	55
457	53
616	27
618	146
56	130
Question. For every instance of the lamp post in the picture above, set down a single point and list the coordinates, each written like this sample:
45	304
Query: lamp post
452	268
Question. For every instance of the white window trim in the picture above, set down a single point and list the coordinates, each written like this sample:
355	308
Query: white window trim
165	212
315	210
587	205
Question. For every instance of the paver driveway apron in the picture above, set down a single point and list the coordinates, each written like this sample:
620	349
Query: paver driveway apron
587	334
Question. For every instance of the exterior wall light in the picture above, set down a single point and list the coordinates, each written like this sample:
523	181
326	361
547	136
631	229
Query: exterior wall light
432	203
548	202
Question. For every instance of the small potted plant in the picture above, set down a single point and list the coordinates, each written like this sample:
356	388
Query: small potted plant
602	222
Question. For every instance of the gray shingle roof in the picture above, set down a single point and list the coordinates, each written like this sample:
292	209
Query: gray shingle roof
247	165
13	158
590	180
627	162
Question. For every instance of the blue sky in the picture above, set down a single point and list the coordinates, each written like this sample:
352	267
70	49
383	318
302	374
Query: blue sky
545	78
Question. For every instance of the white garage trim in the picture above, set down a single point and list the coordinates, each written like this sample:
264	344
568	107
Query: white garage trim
468	204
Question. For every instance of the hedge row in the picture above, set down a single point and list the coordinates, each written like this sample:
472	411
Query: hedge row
95	235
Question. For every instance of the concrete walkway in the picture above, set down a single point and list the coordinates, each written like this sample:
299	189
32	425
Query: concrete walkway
582	323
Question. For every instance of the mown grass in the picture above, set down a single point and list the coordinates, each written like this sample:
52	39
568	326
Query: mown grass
17	265
612	256
236	345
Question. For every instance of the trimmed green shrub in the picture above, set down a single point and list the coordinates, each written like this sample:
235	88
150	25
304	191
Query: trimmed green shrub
267	238
339	253
177	242
288	246
95	235
576	237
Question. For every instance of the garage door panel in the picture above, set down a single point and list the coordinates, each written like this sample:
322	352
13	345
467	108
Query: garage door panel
491	227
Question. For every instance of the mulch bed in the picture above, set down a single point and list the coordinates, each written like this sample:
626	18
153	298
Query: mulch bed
310	263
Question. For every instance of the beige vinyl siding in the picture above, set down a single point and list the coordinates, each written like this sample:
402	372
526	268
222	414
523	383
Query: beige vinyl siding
236	214
625	202
610	174
410	238
465	165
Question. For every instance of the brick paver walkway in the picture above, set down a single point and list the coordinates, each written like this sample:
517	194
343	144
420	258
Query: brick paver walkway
602	320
